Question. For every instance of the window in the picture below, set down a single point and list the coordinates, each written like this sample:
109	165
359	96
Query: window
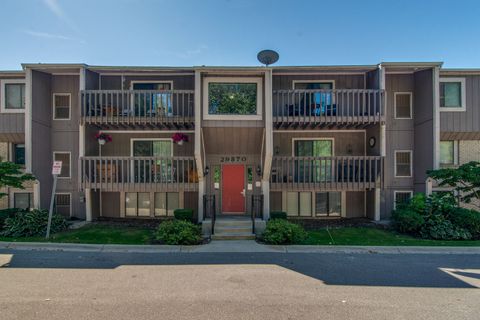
19	154
232	98
447	152
313	170
63	204
299	204
403	163
137	204
148	103
328	204
166	203
403	105
402	197
23	200
321	100
61	106
13	98
452	94
65	158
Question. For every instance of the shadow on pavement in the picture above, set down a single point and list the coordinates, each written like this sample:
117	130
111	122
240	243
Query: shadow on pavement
402	270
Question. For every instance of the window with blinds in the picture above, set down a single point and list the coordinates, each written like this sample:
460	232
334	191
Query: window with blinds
61	106
402	197
403	105
403	163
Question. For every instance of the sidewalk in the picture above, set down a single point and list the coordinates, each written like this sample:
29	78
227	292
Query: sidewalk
246	246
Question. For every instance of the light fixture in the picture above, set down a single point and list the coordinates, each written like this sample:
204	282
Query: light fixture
259	171
206	171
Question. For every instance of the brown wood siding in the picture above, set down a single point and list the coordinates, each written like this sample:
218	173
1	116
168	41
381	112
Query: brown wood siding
42	133
120	145
111	204
355	203
91	80
423	118
191	201
12	127
180	82
65	137
343	141
233	141
285	82
464	121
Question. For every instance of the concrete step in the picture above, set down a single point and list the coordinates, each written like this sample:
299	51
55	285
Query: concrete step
235	223
233	229
233	236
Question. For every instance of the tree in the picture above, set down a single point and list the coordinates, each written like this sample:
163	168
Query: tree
464	179
11	175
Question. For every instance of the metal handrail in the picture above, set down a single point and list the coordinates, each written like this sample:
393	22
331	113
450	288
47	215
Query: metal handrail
213	211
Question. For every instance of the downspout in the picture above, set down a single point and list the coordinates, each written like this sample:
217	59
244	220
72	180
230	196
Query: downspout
197	138
267	167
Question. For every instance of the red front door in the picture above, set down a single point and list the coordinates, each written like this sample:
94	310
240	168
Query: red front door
233	188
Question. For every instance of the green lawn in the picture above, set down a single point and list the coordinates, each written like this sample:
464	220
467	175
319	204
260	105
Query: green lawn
362	236
96	234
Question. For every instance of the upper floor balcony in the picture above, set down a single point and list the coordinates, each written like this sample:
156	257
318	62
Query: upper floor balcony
344	108
170	109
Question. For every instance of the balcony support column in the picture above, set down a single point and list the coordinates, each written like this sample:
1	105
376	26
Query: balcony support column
198	143
267	166
377	204
88	205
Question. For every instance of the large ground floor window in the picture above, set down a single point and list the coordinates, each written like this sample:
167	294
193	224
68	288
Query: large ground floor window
320	204
138	204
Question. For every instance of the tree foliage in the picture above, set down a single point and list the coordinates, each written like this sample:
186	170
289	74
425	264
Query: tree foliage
11	175
464	179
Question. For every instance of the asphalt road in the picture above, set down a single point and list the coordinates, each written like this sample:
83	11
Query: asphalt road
84	285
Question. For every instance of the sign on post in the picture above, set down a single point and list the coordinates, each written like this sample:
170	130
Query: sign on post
56	170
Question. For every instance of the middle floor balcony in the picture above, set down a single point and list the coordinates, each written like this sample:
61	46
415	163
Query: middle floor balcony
138	174
337	173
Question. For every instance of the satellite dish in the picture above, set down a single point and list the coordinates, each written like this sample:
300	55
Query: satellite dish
267	57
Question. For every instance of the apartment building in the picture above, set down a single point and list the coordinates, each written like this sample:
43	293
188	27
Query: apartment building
317	142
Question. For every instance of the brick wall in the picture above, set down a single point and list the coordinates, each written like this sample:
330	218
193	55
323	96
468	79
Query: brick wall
468	150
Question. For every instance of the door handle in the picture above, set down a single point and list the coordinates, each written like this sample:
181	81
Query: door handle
243	193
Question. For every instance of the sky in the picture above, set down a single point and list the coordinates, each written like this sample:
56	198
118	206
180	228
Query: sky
231	32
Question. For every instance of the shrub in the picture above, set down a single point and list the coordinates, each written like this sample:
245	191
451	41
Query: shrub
184	214
7	213
466	219
437	227
278	215
407	221
32	223
280	231
179	232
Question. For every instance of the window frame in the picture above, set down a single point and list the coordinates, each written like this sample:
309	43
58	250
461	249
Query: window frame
70	164
69	106
3	108
313	139
13	157
294	82
395	105
463	93
395	163
395	192
455	153
132	140
243	117
70	203
30	199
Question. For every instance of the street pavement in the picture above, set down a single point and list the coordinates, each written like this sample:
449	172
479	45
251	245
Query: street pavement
49	284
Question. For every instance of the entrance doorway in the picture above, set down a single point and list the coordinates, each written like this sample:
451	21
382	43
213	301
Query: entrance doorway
233	189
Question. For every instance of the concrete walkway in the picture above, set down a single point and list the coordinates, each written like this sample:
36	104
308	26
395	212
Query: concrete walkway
236	246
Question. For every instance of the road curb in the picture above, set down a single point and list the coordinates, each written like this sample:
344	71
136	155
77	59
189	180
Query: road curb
244	246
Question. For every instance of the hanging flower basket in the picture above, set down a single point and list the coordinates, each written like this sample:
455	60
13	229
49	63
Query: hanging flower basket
179	138
103	138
